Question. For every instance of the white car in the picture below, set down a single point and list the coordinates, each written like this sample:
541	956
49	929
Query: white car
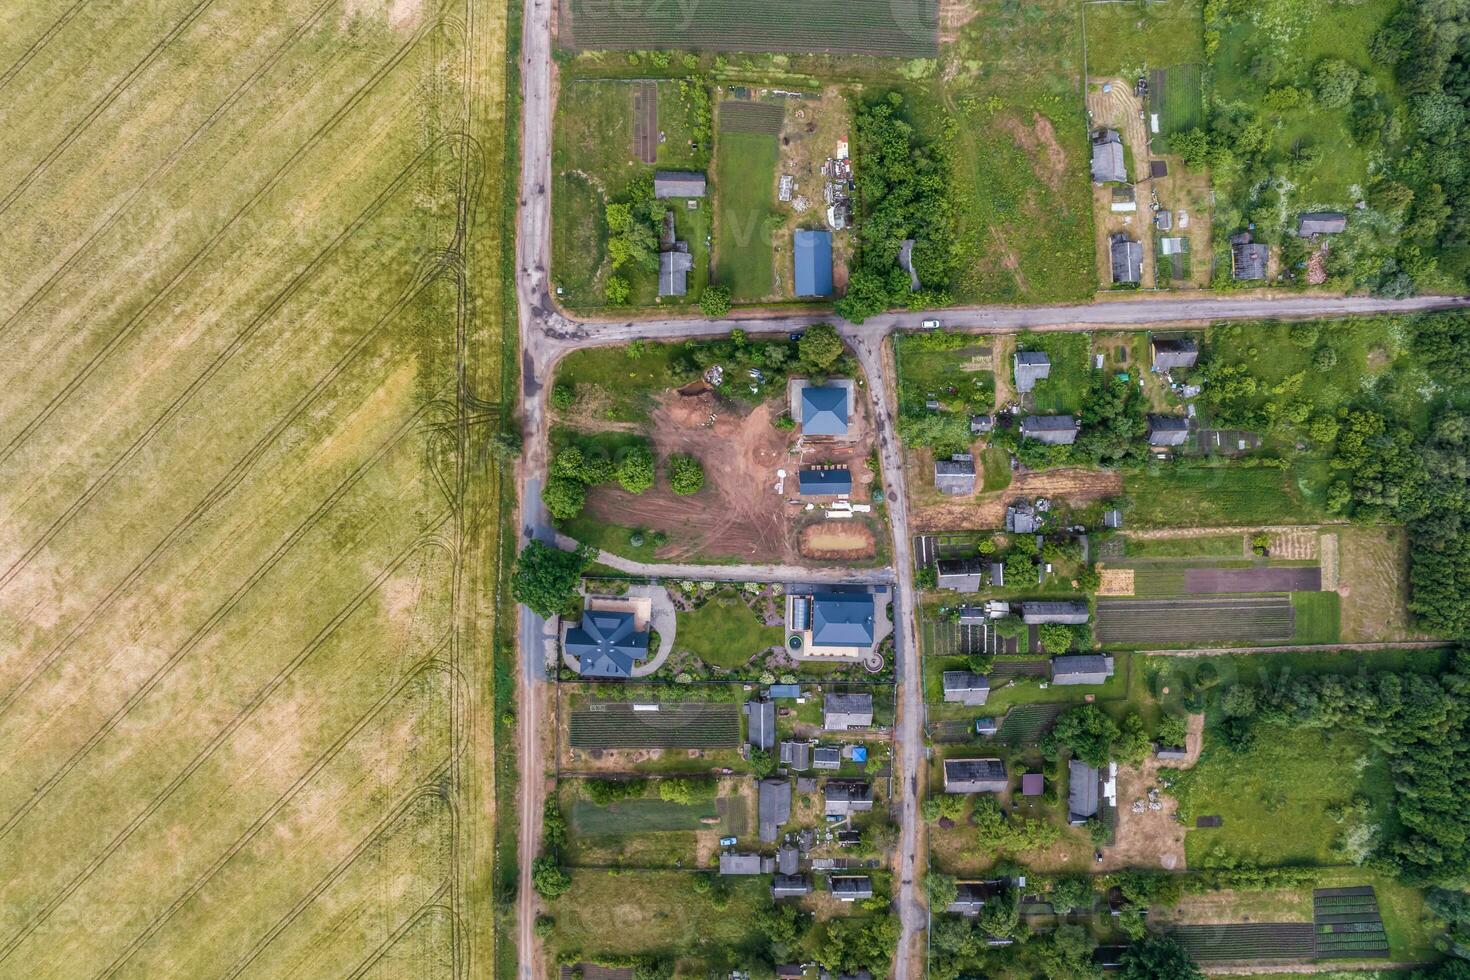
930	325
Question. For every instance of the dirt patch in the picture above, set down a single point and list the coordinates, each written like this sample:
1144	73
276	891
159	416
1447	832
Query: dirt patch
829	540
1294	543
953	15
1115	581
589	412
989	512
1224	581
738	513
645	121
1329	563
1153	838
1039	141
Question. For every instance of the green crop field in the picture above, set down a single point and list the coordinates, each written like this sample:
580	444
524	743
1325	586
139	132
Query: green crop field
751	117
252	318
1186	495
673	725
855	27
745	185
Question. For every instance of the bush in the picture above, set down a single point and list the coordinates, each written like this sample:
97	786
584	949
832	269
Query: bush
1335	81
635	470
548	877
686	475
714	302
1055	638
562	397
545	578
564	497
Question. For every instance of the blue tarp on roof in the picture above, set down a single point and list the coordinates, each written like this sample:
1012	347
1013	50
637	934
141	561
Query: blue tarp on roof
825	482
859	753
812	252
784	690
824	410
842	619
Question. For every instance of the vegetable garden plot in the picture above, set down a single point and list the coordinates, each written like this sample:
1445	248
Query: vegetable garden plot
877	27
1258	619
1347	923
1248	941
661	725
1026	723
1215	581
752	117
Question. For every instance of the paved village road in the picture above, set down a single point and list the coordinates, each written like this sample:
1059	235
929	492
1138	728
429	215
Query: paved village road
546	335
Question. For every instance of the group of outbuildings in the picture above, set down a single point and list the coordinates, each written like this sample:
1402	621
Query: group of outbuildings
1249	259
808	766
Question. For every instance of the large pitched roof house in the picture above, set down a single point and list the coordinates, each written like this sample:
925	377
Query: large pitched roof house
606	644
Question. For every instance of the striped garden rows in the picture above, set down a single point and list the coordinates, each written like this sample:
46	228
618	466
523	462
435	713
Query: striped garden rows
752	117
1259	619
673	726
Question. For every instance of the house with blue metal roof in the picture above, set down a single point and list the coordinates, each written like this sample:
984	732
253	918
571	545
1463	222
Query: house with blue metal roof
830	482
812	253
824	410
607	644
842	619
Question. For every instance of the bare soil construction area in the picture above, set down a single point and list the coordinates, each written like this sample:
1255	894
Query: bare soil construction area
739	514
988	511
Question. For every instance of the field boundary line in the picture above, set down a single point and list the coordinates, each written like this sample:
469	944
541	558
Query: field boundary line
207	627
435	905
428	790
168	163
200	382
227	485
45	39
430	662
219	739
194	261
112	96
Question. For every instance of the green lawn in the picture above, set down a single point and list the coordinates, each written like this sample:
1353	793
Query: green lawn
1061	392
658	913
745	189
624	381
725	632
1190	495
1194	546
592	164
637	816
996	463
1318	616
950	375
1126	39
1274	798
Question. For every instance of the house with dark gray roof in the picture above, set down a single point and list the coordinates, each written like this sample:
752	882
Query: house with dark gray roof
760	729
981	424
1169	753
1030	366
850	888
1055	430
745	864
997	575
1108	165
965	687
1087	668
677	183
1084	789
789	971
1174	353
843	711
1067	612
606	644
811	254
970	897
975	776
1311	223
827	757
955	476
1021	518
1033	784
796	756
960	574
829	481
790	886
1248	259
842	619
824	410
842	797
673	272
986	726
1168	430
773	806
787	859
1113	518
1127	259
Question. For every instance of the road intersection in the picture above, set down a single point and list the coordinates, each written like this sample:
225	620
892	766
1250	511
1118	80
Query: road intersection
547	334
